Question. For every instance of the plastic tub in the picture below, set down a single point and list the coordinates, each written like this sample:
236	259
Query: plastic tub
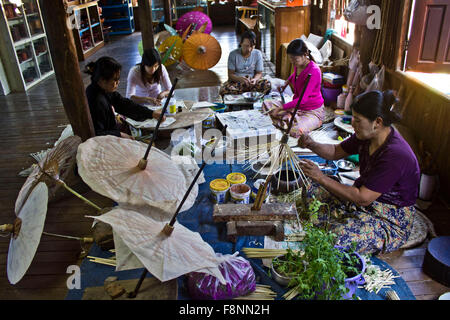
236	178
240	193
220	108
219	189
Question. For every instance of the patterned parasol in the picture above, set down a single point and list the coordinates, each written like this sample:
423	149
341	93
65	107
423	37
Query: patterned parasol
196	18
171	50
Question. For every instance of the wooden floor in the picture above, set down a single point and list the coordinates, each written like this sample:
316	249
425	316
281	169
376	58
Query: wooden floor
33	121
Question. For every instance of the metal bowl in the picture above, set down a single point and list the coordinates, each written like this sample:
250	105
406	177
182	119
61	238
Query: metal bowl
252	96
345	165
281	280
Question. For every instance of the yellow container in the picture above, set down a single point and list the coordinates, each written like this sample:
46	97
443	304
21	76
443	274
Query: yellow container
236	178
219	189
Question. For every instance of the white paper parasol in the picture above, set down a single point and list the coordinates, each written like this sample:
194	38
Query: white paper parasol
23	247
108	164
64	156
165	257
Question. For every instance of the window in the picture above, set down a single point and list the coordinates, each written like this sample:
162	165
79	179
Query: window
345	29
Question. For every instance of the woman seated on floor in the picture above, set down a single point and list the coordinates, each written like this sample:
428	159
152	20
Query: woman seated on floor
311	111
377	212
104	99
148	82
245	68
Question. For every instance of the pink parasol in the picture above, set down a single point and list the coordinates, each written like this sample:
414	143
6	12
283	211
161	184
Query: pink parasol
196	18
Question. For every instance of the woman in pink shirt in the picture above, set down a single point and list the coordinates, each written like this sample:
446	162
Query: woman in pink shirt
311	110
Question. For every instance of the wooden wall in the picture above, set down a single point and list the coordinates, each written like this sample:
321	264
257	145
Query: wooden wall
426	113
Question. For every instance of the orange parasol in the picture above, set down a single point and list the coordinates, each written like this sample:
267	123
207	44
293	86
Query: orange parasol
173	45
201	51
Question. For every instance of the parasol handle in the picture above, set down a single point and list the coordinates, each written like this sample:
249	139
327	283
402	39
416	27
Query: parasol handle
82	239
298	104
134	293
143	163
263	188
168	228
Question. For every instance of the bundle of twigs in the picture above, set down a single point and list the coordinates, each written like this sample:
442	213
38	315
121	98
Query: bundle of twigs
262	292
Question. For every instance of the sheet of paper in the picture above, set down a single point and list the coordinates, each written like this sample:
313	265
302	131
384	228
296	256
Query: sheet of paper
150	123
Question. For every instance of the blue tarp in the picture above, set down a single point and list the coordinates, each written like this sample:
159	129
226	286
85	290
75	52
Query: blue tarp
199	219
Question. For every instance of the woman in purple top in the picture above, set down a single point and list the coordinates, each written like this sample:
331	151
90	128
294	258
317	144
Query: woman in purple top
311	110
377	212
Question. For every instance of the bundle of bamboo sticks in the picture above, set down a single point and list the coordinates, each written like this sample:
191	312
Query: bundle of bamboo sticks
261	253
110	262
262	292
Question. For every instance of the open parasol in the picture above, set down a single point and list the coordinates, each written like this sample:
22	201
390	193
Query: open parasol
201	51
26	233
171	50
197	19
108	164
60	161
165	257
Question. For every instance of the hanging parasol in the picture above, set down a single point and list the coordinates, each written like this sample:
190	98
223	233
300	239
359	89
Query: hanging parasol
201	51
171	50
26	233
108	164
196	18
59	161
165	257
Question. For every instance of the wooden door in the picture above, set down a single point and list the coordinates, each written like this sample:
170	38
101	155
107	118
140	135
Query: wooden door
428	49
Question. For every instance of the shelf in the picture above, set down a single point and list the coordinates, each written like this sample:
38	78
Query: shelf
115	6
22	42
28	60
42	53
121	32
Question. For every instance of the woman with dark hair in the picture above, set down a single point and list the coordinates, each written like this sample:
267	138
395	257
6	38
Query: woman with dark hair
148	82
245	68
104	99
377	211
311	110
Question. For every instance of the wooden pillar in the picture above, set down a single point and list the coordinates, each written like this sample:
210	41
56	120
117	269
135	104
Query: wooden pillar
168	12
146	23
67	69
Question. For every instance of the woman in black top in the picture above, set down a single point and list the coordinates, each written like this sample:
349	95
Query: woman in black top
104	99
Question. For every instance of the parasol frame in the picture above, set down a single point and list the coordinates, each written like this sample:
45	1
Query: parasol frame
263	188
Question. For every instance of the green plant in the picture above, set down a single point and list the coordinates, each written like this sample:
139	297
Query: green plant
320	270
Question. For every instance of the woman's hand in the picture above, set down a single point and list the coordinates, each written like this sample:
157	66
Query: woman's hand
305	141
126	136
157	114
311	170
162	95
154	101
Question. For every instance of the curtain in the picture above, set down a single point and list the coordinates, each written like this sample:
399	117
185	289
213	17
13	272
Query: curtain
384	51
